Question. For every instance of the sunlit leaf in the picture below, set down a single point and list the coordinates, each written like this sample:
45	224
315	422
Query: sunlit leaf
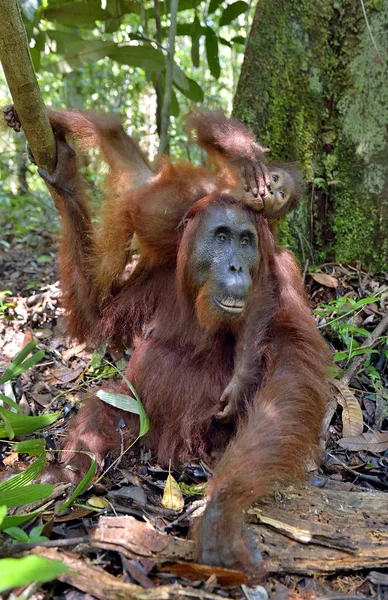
22	479
33	447
172	495
17	534
23	424
27	494
17	366
15	572
7	400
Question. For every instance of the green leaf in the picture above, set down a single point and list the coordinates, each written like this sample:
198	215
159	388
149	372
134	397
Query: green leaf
30	493
121	401
84	483
33	447
195	39
76	13
9	432
212	52
15	572
17	366
17	534
239	39
7	400
214	4
3	512
232	11
16	520
365	301
194	91
147	58
22	479
23	424
36	56
144	420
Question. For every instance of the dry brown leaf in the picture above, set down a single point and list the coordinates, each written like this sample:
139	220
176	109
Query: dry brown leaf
172	495
374	441
352	417
326	280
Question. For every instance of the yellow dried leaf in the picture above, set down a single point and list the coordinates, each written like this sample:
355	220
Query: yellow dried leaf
172	495
326	280
98	502
352	417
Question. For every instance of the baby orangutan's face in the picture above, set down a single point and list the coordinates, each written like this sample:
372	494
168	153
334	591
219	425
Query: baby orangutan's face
278	197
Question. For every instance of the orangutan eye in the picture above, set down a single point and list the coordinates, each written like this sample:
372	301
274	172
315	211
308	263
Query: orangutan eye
275	178
221	237
245	241
281	194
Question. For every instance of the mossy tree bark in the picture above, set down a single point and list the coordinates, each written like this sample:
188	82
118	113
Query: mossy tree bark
314	88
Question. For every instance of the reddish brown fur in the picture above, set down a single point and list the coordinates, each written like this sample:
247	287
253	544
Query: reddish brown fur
182	368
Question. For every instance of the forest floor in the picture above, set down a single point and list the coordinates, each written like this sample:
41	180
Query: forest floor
355	457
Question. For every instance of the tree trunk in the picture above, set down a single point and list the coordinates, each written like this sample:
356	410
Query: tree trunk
19	72
314	88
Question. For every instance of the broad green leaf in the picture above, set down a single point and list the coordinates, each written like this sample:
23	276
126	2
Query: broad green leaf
145	57
180	79
214	4
16	520
33	447
84	483
15	572
22	479
3	512
232	11
23	424
121	401
113	22
212	52
194	92
17	534
76	13
29	493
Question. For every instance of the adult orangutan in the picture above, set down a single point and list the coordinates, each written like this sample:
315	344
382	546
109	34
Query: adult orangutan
233	366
